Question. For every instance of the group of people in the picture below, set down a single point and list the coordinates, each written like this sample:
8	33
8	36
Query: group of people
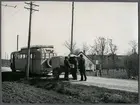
72	64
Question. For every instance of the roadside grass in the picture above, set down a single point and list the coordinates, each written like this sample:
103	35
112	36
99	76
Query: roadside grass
88	94
38	90
51	91
18	92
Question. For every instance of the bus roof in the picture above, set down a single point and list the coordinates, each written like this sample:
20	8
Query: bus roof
38	46
15	52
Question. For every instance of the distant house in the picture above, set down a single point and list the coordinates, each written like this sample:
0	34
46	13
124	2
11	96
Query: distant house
108	62
120	61
89	64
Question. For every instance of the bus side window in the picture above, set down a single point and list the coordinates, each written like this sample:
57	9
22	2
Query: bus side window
43	55
31	56
23	56
51	55
20	56
47	55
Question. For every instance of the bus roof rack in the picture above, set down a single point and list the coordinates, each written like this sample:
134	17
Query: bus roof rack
39	46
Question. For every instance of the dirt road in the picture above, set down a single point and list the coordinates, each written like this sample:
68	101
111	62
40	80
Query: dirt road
118	84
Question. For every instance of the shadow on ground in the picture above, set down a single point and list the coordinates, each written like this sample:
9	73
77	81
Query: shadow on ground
15	76
12	76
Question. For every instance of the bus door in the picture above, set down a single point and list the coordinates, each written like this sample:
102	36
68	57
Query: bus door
32	56
12	65
36	59
31	63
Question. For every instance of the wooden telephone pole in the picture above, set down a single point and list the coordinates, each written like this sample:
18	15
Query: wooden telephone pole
17	41
29	36
72	28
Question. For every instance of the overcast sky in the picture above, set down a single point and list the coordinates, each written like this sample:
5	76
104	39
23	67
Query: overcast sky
52	24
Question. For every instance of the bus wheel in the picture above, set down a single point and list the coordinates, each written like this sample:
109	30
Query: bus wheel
56	73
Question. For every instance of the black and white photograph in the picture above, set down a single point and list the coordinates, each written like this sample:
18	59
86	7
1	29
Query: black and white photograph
69	52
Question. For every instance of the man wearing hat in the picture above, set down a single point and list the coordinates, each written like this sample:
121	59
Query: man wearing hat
73	61
67	68
82	68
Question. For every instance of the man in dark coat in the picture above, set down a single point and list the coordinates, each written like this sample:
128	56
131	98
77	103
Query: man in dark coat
67	68
82	68
12	65
74	69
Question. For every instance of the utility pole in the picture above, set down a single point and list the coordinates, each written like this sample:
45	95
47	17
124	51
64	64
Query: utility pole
17	41
72	28
29	36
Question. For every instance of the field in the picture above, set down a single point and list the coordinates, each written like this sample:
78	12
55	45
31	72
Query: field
52	91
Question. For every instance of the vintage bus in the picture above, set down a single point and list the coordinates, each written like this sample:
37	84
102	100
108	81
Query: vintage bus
40	59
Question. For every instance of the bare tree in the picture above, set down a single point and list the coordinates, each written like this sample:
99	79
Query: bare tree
134	45
100	48
113	49
85	48
75	51
67	44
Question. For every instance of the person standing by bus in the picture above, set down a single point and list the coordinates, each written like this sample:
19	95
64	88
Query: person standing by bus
67	68
12	63
82	68
75	68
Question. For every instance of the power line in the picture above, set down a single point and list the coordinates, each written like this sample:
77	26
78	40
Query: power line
5	5
9	5
29	35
